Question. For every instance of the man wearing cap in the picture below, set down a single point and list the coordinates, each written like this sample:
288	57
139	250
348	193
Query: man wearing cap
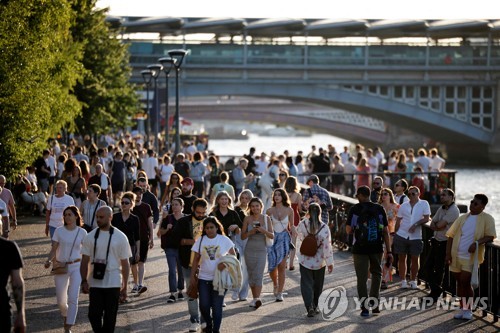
187	195
150	199
316	193
368	219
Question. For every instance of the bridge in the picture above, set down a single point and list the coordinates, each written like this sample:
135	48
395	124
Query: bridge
435	78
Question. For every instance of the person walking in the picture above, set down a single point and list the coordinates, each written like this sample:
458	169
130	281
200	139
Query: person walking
281	215
208	250
292	188
108	249
312	269
368	222
55	206
66	252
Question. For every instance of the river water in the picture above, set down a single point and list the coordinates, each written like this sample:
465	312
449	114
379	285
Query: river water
469	180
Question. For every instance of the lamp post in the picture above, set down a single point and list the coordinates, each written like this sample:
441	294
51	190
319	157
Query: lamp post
147	76
167	63
178	55
155	72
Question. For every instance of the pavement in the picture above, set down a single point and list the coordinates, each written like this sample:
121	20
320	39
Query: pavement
150	312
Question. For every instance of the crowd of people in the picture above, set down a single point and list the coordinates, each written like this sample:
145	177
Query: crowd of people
103	205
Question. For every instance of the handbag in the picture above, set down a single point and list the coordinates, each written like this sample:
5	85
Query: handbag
474	281
59	267
269	241
192	290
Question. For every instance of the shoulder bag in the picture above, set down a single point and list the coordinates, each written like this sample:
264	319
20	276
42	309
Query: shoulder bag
59	267
474	281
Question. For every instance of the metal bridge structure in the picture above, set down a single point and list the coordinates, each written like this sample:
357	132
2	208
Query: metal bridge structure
436	78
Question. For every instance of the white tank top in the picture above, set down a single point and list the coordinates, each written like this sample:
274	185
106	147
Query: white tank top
279	225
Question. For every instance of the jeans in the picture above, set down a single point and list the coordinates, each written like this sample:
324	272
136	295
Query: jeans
67	291
434	267
363	262
311	285
52	230
103	307
175	282
194	313
210	305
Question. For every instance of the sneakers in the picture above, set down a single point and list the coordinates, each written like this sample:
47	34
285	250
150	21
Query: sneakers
463	314
279	297
194	327
171	299
258	304
180	296
404	284
383	285
234	296
224	304
365	313
135	289
413	285
316	311
310	312
141	289
252	303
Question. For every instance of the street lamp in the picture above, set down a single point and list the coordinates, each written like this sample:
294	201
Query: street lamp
155	72
178	55
147	76
167	63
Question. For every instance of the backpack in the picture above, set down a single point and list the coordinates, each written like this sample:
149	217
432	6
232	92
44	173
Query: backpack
368	230
310	245
402	199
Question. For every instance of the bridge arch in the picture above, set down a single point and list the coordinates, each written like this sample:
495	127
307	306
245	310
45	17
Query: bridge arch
432	124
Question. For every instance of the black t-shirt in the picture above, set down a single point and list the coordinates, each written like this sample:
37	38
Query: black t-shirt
151	199
182	168
188	203
352	220
39	163
143	212
130	227
232	217
12	260
169	240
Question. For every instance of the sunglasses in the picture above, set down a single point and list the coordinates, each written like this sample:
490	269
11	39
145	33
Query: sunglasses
385	193
376	183
413	193
282	175
397	185
125	203
474	203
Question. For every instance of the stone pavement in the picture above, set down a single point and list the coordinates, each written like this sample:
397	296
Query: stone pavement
150	312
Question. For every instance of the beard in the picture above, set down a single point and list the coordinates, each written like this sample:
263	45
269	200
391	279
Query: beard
199	218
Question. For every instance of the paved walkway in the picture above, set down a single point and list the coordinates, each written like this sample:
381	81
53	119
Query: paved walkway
150	312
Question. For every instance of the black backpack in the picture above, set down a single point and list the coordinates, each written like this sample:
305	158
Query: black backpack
231	179
368	230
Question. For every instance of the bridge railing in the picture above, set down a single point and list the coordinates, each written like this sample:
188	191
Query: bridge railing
489	271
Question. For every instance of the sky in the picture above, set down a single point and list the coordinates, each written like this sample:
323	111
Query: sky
344	9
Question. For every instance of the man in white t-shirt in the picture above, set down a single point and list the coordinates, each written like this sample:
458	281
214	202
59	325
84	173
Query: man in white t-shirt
408	238
52	165
476	226
106	291
150	166
55	208
261	164
372	161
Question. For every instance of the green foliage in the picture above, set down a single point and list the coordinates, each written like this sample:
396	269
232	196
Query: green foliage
39	66
108	99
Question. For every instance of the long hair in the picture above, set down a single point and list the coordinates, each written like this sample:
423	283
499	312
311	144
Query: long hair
292	185
391	195
179	177
214	221
244	192
255	199
172	192
284	197
314	217
216	201
75	211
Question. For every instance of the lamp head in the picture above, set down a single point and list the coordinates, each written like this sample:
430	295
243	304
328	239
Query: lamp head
167	63
155	70
178	55
147	75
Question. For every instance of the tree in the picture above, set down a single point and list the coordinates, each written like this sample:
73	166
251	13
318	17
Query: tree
39	66
108	99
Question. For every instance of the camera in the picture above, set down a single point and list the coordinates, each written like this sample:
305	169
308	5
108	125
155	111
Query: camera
99	269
